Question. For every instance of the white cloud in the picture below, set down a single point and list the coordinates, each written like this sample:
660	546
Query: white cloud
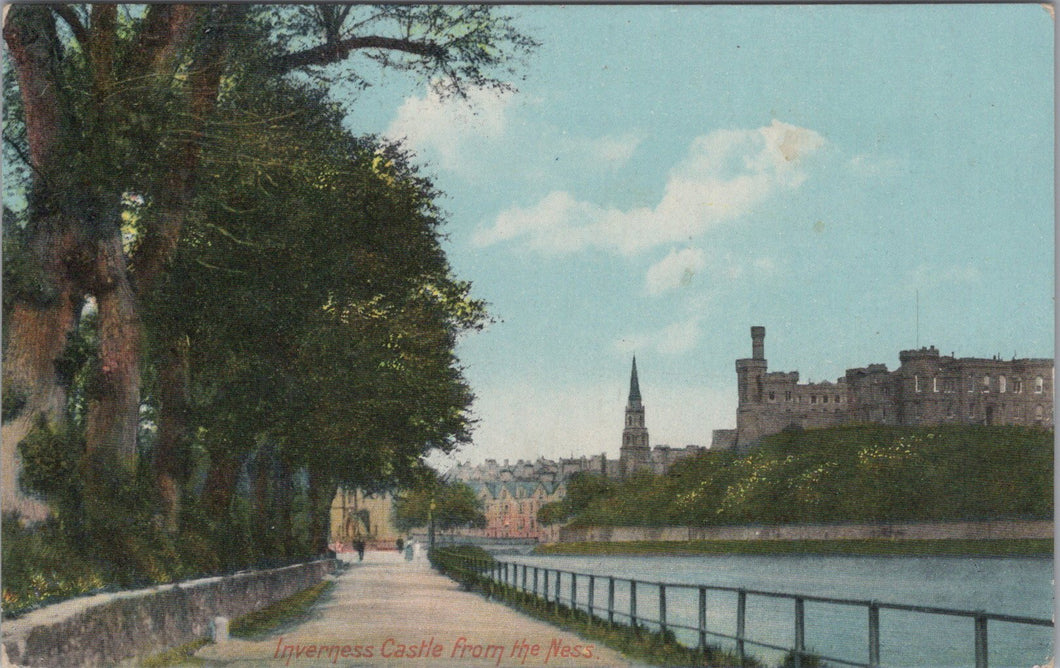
675	270
449	125
724	176
674	339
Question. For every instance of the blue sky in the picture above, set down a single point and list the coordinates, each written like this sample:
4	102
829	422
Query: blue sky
667	176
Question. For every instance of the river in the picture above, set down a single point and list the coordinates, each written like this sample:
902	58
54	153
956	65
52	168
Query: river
1013	586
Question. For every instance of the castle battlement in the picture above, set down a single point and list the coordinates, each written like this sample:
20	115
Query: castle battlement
926	389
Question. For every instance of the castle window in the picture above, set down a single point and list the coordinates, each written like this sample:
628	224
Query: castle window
971	383
813	398
838	399
1017	386
825	398
934	383
916	383
787	396
949	385
986	383
1002	384
1038	413
772	396
1039	385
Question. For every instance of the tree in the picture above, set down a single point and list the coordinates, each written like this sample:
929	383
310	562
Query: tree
116	101
450	504
582	490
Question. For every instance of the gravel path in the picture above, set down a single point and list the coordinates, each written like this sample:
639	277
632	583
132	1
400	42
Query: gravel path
389	612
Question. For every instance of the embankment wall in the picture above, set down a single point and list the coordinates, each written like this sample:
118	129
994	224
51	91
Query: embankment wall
107	628
1010	529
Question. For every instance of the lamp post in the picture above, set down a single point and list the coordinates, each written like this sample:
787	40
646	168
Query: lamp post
430	524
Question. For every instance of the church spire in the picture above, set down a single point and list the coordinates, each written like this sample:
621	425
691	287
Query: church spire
634	386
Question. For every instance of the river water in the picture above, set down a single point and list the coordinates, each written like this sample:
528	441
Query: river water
1016	586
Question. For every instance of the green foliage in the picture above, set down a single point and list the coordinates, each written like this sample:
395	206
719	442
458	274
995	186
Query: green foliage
50	461
582	490
848	474
452	504
302	331
42	565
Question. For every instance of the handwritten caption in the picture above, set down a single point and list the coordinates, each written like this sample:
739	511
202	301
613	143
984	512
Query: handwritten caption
521	651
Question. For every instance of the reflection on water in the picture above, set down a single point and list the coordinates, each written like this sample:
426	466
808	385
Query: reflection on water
996	585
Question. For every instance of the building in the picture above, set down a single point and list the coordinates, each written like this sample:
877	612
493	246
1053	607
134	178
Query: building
635	453
356	515
927	389
511	508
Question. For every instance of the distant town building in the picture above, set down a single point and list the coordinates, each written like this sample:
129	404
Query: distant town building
927	389
513	493
635	453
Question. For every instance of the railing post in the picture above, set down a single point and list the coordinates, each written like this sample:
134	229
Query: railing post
800	630
662	607
556	597
611	601
535	581
741	616
874	634
702	619
633	603
591	596
573	591
524	578
545	588
980	642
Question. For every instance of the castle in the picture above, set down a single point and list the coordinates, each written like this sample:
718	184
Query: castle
927	389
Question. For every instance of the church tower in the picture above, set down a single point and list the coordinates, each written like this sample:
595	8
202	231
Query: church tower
635	453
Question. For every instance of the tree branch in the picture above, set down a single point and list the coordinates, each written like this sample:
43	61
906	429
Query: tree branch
34	47
166	29
325	54
69	16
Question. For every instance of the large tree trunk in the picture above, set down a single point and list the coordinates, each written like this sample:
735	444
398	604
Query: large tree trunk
220	485
36	339
114	405
37	328
321	493
170	461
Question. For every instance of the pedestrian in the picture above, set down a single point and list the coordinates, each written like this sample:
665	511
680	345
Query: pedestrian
359	546
409	549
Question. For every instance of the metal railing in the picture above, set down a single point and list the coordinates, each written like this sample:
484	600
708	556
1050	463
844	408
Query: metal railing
536	581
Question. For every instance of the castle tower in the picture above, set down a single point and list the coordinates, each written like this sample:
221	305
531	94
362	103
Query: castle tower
749	373
635	453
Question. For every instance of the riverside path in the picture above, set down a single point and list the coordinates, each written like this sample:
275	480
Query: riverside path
386	611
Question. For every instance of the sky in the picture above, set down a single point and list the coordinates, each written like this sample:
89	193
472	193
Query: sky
857	179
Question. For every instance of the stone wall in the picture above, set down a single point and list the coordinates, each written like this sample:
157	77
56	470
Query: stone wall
106	628
1042	529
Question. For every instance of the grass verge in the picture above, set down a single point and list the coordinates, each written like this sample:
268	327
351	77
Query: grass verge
288	610
868	547
638	643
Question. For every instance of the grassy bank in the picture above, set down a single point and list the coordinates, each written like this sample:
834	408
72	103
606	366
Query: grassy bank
843	475
895	548
637	643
